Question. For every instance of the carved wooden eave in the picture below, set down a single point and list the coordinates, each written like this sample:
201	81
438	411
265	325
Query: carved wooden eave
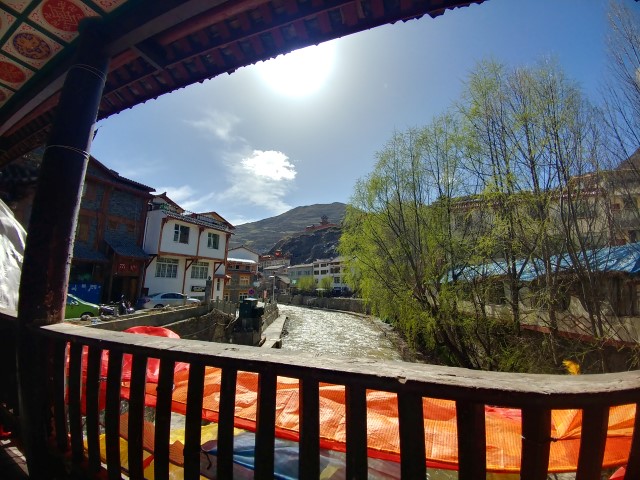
158	46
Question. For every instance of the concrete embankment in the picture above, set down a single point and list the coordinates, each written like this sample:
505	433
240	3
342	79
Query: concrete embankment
273	333
355	305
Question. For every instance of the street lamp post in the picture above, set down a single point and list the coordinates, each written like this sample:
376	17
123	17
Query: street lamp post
273	288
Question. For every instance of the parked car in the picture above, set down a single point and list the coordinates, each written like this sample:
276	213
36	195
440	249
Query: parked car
159	300
77	308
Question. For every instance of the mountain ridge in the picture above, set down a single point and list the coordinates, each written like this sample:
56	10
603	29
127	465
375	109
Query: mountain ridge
263	235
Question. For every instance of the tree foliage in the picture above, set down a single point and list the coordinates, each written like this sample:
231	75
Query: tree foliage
622	88
502	183
306	284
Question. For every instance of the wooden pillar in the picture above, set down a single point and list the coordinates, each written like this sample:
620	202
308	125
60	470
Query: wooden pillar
47	258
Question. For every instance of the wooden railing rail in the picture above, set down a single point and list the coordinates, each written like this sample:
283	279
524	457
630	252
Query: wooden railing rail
536	395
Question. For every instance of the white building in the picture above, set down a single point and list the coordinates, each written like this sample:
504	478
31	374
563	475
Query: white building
332	268
296	272
244	253
187	249
242	267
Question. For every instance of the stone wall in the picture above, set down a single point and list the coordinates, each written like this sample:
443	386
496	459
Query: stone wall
332	303
200	322
270	314
212	327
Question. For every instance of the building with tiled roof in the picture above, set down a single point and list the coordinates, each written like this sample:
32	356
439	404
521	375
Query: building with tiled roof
108	259
186	250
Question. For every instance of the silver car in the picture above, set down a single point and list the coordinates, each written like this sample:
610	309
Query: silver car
159	300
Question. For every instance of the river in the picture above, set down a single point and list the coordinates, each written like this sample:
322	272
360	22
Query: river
326	332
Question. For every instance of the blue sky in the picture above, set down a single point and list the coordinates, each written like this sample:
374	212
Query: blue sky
239	146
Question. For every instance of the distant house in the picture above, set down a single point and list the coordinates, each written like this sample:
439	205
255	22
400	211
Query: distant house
324	223
242	268
332	268
278	259
296	272
187	249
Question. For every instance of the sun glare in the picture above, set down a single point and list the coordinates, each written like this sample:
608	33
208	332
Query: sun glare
299	73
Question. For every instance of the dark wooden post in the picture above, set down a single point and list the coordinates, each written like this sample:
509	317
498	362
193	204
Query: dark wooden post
47	259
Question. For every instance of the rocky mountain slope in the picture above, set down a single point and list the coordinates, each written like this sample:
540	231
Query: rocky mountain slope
307	247
262	235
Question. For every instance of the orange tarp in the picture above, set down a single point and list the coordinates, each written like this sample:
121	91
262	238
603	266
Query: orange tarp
503	425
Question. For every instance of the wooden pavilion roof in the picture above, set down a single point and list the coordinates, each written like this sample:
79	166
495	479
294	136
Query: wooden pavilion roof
157	46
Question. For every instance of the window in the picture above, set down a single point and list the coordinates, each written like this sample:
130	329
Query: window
323	272
181	234
218	285
244	280
336	280
213	240
167	267
83	229
89	191
200	270
584	210
242	296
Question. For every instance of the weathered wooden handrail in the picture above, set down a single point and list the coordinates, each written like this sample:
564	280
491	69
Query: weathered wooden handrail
536	395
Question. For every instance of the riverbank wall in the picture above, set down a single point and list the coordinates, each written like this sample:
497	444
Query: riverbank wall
356	305
207	322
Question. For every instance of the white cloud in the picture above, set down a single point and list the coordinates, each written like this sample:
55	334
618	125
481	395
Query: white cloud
258	181
261	179
220	124
271	164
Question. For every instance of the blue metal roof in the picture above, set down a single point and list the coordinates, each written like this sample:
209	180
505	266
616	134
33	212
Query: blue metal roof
621	259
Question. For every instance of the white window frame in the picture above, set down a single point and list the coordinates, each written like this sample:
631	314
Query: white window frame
213	240
167	267
180	233
200	270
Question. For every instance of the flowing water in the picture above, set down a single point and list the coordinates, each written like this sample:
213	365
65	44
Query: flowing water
326	332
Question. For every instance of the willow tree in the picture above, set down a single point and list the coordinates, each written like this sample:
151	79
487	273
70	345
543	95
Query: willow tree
533	142
401	235
622	87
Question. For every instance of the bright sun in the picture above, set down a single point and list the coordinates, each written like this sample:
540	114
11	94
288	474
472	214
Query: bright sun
299	73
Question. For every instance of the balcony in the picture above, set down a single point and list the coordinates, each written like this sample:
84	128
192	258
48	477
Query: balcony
77	378
69	408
